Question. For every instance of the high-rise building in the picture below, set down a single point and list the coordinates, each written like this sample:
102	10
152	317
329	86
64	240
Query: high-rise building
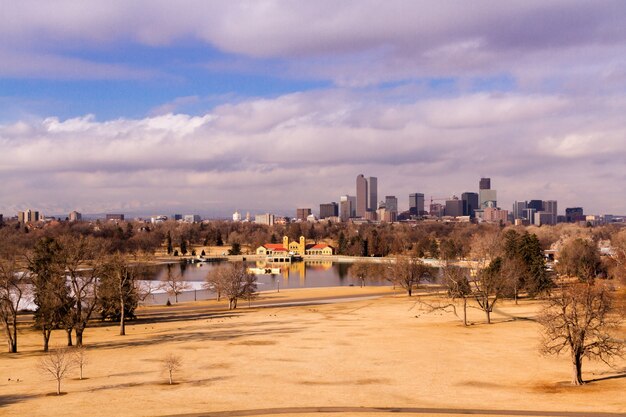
372	193
454	207
542	217
518	209
361	195
550	206
267	219
347	207
495	215
75	216
535	204
437	209
486	196
391	203
470	203
329	210
416	204
302	213
574	214
529	214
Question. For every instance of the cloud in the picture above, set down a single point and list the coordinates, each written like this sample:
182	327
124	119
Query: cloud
352	43
307	148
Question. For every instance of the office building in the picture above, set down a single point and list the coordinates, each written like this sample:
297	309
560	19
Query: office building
329	210
28	216
416	204
470	203
116	217
518	209
361	195
75	216
574	214
192	218
266	219
535	204
391	203
236	216
495	215
454	207
550	207
347	207
542	217
529	214
486	196
303	213
437	210
372	193
177	217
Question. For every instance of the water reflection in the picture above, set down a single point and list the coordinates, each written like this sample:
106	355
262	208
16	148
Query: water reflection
302	274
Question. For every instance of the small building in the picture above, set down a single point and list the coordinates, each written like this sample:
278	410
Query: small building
295	248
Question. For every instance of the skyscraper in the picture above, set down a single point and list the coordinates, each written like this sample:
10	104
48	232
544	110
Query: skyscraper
574	214
470	203
486	194
518	209
372	193
361	196
416	204
391	203
454	207
302	213
347	207
550	207
329	210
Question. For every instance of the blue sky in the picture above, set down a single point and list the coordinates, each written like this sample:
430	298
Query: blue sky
154	106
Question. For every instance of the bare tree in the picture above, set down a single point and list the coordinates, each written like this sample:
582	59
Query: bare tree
580	319
408	272
174	284
57	362
83	259
457	285
215	280
120	289
51	292
172	363
80	358
12	289
234	281
487	283
360	270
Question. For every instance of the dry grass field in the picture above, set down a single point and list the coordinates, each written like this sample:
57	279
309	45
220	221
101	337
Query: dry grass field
283	360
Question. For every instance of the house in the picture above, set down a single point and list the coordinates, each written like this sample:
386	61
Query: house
299	248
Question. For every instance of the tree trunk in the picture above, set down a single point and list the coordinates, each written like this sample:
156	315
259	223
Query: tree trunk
464	311
170	377
59	386
362	282
488	313
79	337
46	339
577	370
69	336
410	291
122	318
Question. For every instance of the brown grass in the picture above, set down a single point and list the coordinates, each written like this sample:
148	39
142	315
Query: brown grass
367	353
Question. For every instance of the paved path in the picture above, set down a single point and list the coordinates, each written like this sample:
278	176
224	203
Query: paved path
403	410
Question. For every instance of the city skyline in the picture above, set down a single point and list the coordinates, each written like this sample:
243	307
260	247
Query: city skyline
158	108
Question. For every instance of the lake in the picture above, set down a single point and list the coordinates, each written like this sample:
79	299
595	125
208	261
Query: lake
302	274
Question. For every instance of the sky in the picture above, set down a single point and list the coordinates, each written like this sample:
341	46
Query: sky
160	107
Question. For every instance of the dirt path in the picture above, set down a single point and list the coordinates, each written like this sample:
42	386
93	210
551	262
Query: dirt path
402	410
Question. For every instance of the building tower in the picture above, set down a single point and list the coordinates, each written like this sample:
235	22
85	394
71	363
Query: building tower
470	203
372	193
416	204
361	196
486	196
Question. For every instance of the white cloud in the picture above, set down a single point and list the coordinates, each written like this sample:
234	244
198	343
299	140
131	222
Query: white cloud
307	148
